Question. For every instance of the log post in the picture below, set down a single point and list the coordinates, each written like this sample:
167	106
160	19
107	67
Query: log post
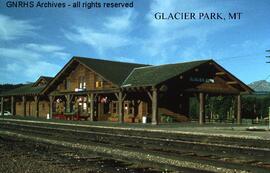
92	107
120	102
2	106
12	106
67	103
51	105
238	109
24	105
201	110
36	98
154	107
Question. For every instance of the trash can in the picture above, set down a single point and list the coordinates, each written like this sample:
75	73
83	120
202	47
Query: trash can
48	116
144	119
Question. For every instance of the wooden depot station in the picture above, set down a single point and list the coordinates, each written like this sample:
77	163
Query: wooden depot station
101	90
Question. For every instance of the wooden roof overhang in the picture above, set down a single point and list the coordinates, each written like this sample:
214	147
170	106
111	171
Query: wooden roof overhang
212	91
31	89
101	91
67	69
26	90
137	88
21	95
233	81
241	88
55	80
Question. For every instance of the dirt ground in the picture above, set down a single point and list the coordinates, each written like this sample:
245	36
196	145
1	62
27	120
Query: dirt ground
18	156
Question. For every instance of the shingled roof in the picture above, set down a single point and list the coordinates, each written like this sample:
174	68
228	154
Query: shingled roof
26	89
120	73
153	75
46	78
114	71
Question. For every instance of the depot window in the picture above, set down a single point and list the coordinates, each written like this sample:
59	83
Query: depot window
99	83
82	82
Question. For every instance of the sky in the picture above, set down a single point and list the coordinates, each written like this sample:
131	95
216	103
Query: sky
40	41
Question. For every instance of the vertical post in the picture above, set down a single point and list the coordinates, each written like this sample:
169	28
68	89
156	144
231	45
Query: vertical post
201	111
2	106
154	107
239	109
67	103
120	102
91	107
12	106
51	105
24	105
37	106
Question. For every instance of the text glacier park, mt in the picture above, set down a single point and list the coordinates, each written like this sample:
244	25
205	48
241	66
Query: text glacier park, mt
197	16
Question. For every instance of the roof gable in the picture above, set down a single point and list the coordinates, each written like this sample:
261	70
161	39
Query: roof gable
42	80
153	75
114	71
245	87
31	88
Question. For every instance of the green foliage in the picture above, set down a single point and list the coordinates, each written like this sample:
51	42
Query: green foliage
219	106
224	107
193	108
256	106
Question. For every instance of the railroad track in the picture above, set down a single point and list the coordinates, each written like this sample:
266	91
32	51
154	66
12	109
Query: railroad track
246	156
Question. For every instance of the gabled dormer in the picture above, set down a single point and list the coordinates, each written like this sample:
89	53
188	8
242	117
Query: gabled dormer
42	81
81	74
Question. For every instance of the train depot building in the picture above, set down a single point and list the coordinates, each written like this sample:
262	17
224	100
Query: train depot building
101	90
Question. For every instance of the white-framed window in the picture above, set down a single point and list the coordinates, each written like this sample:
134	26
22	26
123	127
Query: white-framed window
82	82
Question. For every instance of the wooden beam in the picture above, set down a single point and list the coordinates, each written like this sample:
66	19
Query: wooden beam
91	96
154	107
12	105
120	102
201	109
231	83
150	95
230	76
220	73
2	106
124	97
24	105
71	97
239	109
36	98
116	95
51	105
68	100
